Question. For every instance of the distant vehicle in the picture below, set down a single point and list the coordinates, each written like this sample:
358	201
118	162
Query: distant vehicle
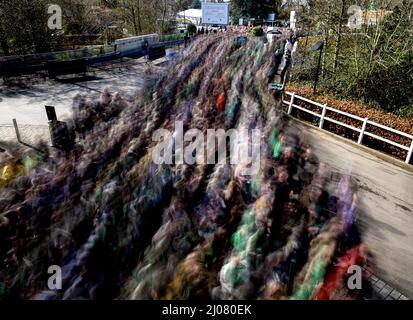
273	34
274	30
214	28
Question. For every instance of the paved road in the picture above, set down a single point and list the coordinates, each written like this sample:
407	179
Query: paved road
386	208
26	102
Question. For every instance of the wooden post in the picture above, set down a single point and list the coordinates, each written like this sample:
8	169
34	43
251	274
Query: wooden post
409	155
363	129
16	128
290	106
323	115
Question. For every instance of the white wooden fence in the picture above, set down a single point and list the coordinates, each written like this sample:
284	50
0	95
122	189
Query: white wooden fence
363	121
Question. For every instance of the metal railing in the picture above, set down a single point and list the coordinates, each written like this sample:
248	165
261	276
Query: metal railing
364	121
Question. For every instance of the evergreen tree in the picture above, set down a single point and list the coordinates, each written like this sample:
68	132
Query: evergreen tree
196	4
254	9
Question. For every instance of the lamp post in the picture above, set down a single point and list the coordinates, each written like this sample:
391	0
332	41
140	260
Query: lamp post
318	46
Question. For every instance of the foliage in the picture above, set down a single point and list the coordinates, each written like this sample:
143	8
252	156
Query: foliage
253	9
23	27
257	32
23	23
196	4
359	109
373	64
171	37
191	29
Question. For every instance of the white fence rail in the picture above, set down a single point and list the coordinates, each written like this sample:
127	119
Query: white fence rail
364	121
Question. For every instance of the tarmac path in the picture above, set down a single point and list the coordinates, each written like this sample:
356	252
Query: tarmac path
386	208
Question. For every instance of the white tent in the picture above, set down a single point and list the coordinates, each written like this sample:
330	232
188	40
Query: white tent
195	15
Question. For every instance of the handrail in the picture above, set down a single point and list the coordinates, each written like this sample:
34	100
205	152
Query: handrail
365	121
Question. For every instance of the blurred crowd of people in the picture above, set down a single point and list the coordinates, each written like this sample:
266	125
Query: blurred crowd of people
122	227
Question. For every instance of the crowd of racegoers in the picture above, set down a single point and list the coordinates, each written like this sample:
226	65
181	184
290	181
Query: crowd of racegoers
121	226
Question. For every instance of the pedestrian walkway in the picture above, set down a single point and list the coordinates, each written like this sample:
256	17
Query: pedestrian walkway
386	210
30	134
382	290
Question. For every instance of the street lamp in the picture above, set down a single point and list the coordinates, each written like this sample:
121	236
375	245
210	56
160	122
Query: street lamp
317	46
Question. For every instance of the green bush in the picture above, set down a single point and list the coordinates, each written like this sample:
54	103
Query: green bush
171	37
191	29
257	32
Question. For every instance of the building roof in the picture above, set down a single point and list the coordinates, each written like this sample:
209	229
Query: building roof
191	13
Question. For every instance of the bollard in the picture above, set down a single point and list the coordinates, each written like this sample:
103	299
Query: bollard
16	128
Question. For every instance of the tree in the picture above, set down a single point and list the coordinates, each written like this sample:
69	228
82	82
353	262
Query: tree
133	14
191	29
373	63
110	3
4	32
196	4
23	26
79	17
254	9
339	30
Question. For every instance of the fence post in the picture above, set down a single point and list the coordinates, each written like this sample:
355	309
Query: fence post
363	129
409	155
323	115
16	128
290	106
